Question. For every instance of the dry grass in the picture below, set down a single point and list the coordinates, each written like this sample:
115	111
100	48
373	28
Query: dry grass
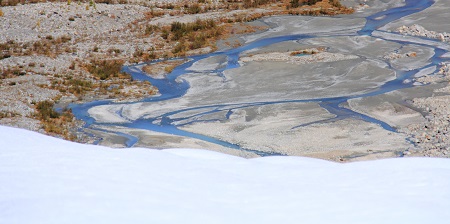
317	8
104	69
11	73
53	122
308	51
161	68
8	114
184	37
180	39
49	46
168	42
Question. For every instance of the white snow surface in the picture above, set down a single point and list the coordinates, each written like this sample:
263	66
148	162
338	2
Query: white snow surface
48	180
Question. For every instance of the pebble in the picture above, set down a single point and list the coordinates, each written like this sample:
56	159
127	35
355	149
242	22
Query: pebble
417	30
432	138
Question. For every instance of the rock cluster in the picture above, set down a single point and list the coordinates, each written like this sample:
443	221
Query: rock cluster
441	76
394	55
433	137
31	22
19	93
317	56
417	30
38	63
22	122
445	69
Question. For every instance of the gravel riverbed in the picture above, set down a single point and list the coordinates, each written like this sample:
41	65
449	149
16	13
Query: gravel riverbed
114	32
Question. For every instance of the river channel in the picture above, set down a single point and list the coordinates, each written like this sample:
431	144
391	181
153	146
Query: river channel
174	86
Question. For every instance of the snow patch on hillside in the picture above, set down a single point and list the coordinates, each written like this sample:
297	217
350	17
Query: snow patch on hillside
48	180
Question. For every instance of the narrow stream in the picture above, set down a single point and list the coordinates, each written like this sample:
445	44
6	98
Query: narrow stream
171	87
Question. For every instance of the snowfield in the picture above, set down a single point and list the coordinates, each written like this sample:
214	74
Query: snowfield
48	180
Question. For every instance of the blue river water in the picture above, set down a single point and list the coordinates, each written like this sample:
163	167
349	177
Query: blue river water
171	87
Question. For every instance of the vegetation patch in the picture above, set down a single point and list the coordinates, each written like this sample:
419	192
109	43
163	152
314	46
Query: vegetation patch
46	111
8	114
191	36
105	69
308	51
49	46
11	73
161	68
317	7
54	122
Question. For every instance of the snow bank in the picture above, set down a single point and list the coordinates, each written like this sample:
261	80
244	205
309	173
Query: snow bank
48	180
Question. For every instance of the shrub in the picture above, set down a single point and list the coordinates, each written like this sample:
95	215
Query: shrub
46	111
11	72
167	6
77	86
4	55
152	54
335	3
165	34
138	52
198	42
295	3
182	29
105	69
9	3
310	2
150	29
72	65
179	47
114	50
4	114
194	9
62	39
169	68
54	122
255	3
